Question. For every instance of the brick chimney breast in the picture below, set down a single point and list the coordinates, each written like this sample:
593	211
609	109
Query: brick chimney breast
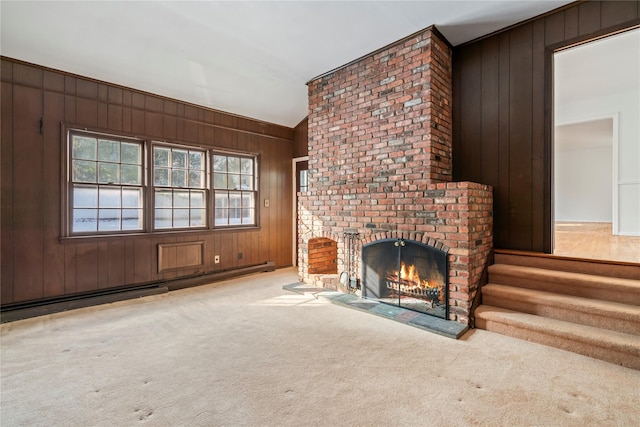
380	140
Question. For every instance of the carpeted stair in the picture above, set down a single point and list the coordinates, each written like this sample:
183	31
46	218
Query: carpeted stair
588	307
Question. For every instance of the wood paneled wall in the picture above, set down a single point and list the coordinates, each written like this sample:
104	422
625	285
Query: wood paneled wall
301	139
37	265
503	116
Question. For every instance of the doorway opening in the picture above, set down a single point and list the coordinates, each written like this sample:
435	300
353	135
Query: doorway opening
596	149
300	185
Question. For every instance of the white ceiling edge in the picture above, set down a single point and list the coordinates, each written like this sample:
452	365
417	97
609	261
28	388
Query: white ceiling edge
249	58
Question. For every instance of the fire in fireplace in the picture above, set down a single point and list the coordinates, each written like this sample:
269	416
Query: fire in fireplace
407	274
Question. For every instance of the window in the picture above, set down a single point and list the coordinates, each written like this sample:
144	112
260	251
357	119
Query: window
106	184
179	177
117	185
234	186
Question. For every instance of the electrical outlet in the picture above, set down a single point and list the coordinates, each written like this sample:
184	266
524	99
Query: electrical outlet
266	203
239	255
216	259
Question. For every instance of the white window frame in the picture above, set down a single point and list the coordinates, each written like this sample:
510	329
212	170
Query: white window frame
237	190
106	201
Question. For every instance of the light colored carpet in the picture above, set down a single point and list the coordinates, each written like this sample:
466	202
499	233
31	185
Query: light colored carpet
244	352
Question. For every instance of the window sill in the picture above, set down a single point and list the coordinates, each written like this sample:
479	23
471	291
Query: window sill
154	234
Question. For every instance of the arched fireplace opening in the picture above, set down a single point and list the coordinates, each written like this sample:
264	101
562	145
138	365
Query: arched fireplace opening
407	274
323	256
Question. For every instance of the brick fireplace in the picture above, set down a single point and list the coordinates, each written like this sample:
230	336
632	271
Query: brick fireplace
380	137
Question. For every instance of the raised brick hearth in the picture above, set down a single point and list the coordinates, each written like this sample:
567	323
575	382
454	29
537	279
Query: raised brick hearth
380	138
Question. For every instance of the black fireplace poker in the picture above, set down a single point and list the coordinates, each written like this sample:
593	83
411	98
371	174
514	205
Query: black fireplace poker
348	277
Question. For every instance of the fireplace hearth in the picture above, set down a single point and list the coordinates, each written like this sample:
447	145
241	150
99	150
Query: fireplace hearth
406	274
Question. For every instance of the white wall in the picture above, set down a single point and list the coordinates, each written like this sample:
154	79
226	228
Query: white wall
583	183
627	107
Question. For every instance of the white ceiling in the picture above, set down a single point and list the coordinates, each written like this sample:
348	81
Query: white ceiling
603	67
250	58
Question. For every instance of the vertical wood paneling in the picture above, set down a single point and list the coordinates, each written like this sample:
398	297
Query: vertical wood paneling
126	111
137	122
501	192
47	266
471	130
86	267
114	117
27	196
537	137
53	255
570	23
87	112
6	192
153	124
103	115
129	261
588	17
103	265
117	264
554	26
520	116
522	189
490	153
613	13
70	269
143	263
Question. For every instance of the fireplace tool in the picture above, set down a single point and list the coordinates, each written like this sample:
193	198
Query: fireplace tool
347	277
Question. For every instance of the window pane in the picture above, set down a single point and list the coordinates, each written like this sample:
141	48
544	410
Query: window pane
221	217
222	201
181	217
161	156
197	199
181	199
179	178
84	171
248	215
131	153
234	164
246	166
196	179
110	162
220	163
234	200
196	160
198	217
132	219
85	220
246	182
220	180
84	148
234	217
179	159
161	177
163	218
108	151
164	199
131	198
234	182
85	197
109	220
131	174
108	173
109	197
247	200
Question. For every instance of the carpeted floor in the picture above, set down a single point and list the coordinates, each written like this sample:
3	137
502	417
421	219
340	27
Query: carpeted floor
244	352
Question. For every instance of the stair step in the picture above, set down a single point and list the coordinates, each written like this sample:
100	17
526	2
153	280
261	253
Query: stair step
612	289
623	270
615	347
601	314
